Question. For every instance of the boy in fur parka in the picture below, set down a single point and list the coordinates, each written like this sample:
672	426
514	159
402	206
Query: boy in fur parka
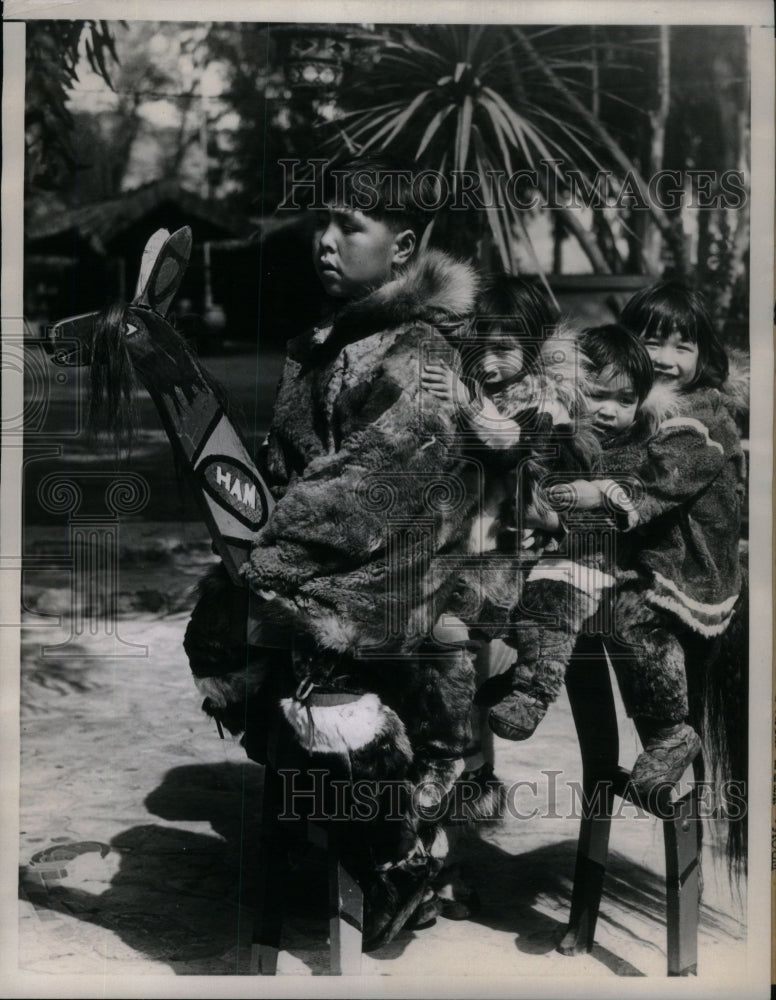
355	456
371	487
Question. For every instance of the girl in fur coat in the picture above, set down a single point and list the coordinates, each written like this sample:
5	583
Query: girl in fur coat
520	374
682	578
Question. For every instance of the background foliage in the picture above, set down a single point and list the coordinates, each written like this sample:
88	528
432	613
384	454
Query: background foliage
627	100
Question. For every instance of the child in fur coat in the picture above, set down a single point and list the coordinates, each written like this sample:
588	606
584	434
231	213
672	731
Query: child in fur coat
519	360
523	377
677	491
565	588
682	577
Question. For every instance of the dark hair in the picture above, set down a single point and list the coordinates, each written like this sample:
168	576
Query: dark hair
670	306
385	188
512	311
614	345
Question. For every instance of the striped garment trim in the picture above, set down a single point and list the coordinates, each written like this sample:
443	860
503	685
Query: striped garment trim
588	579
696	425
705	628
692	605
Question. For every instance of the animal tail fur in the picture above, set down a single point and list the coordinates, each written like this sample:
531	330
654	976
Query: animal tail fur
722	720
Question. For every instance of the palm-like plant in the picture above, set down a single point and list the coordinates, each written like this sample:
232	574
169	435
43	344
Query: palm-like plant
456	98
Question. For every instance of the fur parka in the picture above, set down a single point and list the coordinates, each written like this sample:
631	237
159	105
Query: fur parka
375	496
684	518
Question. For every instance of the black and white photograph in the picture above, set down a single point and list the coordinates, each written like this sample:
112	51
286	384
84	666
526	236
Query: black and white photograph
385	536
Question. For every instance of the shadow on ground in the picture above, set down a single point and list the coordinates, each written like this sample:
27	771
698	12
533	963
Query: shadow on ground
517	890
177	896
186	898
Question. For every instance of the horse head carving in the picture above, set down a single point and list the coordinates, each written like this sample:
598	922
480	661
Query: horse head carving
135	339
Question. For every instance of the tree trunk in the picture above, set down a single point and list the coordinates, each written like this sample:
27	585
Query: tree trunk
657	120
664	223
740	243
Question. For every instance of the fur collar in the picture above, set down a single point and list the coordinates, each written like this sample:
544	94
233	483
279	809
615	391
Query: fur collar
666	401
663	401
433	288
735	389
564	362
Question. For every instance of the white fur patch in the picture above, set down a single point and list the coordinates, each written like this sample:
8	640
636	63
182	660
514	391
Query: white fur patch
334	633
565	364
338	729
690	618
684	423
663	401
588	579
723	608
736	386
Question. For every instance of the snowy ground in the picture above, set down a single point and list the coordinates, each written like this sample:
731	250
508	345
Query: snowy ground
132	810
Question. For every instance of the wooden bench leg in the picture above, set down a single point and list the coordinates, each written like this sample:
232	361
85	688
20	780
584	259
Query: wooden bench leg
682	887
269	891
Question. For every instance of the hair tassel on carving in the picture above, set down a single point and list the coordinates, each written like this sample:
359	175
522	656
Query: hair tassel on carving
112	381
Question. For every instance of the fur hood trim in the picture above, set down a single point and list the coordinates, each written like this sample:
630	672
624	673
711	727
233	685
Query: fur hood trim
735	388
433	288
564	362
561	382
332	632
662	402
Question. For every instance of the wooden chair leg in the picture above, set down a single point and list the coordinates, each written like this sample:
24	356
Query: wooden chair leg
589	873
268	921
592	705
682	887
346	903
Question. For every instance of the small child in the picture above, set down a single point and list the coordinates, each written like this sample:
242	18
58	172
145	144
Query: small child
516	367
516	370
529	382
563	590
